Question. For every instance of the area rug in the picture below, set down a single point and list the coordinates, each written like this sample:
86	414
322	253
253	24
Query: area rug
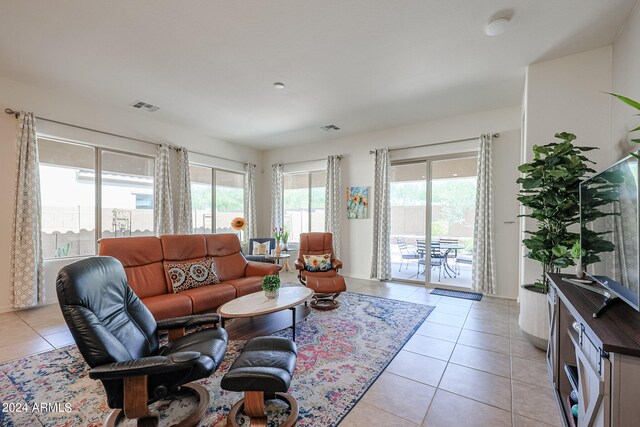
341	353
457	294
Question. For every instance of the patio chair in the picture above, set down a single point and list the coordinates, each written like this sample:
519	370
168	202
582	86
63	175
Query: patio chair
405	253
436	259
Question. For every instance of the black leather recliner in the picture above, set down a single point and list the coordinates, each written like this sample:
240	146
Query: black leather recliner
118	338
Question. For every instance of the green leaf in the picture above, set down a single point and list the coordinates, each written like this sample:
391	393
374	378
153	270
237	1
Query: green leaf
526	168
628	101
530	183
566	136
559	250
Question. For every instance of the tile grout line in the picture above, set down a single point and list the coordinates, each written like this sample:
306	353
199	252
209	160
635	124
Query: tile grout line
445	370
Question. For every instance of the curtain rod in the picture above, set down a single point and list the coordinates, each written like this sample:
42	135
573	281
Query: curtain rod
16	113
495	135
304	161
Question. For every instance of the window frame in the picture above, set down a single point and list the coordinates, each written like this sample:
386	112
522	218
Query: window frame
213	170
309	174
97	182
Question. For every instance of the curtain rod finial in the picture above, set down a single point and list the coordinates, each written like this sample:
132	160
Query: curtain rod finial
11	111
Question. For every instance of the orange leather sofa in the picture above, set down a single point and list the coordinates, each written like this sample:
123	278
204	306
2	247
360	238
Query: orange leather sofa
144	260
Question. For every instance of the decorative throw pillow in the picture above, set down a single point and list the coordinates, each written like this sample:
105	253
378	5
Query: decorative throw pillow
189	275
317	262
261	248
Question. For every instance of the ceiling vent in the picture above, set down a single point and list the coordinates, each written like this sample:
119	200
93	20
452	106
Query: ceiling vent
330	128
144	106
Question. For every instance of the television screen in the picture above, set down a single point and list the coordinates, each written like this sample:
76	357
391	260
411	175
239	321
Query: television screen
609	231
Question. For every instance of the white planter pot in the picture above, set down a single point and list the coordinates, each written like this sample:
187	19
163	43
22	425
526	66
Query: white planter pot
272	294
534	317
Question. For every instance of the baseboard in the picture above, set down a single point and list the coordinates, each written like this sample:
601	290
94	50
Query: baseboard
9	309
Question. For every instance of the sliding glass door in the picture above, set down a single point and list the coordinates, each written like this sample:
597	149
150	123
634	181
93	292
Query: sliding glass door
432	213
408	220
452	203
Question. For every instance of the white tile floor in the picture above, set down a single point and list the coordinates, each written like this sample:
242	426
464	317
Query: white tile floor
467	365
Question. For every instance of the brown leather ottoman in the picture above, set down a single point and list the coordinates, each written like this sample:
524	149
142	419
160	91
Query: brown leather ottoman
326	290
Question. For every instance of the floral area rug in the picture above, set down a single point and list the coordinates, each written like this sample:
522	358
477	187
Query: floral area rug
340	354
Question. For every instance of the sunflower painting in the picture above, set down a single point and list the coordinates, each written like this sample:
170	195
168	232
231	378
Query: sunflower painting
357	202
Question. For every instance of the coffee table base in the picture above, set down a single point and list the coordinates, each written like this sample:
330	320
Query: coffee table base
245	328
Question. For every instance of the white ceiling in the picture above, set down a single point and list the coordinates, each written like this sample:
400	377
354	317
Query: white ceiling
359	64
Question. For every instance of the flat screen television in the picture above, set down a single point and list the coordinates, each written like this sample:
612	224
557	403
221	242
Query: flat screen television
609	229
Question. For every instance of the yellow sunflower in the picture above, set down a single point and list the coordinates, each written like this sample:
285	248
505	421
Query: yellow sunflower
238	223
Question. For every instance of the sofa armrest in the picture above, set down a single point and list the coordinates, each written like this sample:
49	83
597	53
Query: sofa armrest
261	269
336	264
259	258
299	265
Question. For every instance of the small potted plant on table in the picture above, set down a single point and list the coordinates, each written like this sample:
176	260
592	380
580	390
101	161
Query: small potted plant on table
271	286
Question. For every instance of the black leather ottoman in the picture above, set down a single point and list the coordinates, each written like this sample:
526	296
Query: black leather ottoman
262	371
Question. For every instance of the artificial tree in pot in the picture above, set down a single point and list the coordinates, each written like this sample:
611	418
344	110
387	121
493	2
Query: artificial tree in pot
550	188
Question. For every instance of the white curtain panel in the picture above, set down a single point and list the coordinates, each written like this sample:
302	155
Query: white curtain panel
185	219
250	200
162	199
483	267
333	195
27	265
381	259
277	195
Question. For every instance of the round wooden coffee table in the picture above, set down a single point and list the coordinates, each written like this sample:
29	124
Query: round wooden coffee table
259	315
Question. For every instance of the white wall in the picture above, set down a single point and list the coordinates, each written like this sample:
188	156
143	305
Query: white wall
626	81
567	94
358	170
82	112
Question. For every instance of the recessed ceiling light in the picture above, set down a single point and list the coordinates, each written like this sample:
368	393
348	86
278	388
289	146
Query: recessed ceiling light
455	174
278	85
497	26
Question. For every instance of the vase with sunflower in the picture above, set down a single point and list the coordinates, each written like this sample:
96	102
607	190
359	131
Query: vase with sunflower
239	224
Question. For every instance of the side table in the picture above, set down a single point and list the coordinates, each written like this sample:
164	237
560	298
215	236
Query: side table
282	257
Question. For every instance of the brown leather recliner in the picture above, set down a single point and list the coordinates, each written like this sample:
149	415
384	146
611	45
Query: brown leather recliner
327	285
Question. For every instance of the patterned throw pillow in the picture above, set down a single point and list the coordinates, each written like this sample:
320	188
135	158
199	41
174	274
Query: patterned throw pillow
317	262
261	248
189	275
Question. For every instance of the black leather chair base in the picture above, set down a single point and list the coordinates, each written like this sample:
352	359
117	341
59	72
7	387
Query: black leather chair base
262	371
239	406
194	418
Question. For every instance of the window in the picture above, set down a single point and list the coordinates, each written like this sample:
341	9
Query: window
201	198
68	199
228	198
304	202
126	180
68	188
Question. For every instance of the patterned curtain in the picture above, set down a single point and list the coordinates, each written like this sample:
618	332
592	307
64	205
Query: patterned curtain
381	259
162	200
277	195
332	196
27	265
483	265
185	218
250	200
